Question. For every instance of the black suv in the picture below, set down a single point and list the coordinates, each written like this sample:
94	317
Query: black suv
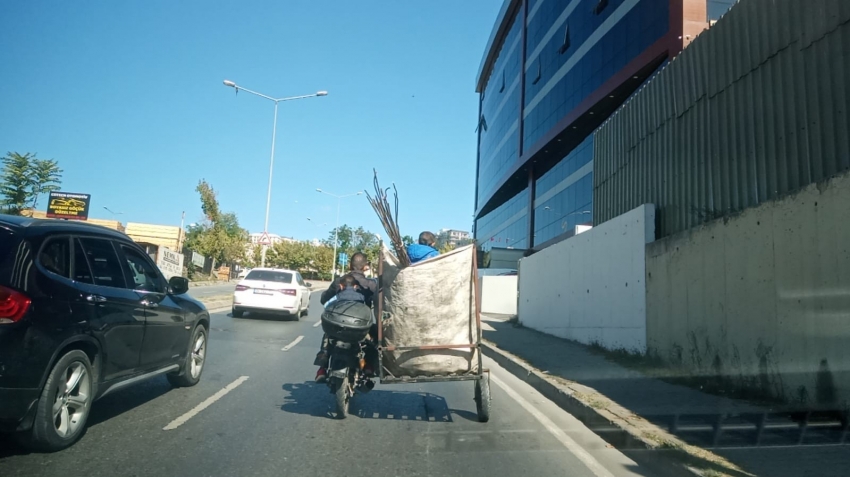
84	312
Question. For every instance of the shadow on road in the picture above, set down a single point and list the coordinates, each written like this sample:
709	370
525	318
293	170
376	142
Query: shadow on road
102	410
9	447
127	399
253	315
315	400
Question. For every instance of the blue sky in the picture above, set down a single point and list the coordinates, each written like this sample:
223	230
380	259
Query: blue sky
128	97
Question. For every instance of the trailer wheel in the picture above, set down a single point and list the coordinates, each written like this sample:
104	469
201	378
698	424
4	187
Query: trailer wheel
482	397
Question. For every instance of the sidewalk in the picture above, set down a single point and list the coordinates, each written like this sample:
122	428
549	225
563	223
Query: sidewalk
755	439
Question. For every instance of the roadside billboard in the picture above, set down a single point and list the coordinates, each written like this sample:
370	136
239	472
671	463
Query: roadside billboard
169	262
198	259
68	205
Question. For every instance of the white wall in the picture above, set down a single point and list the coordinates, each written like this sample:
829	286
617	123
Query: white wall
498	294
591	287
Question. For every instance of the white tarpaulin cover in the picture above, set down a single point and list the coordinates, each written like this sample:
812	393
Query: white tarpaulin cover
430	303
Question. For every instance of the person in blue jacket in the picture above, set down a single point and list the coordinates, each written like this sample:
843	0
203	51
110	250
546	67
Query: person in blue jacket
424	249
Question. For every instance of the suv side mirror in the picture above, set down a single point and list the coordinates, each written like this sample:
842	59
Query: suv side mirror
308	284
179	285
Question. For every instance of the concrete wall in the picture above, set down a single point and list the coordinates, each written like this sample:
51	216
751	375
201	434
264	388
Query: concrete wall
761	298
498	294
591	287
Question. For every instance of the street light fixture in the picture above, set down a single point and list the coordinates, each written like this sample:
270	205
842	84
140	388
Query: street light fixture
235	86
336	228
111	211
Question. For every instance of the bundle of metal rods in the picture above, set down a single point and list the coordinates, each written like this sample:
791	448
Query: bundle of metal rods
389	218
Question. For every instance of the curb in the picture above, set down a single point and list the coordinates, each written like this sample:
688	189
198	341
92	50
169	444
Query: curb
208	283
217	301
613	423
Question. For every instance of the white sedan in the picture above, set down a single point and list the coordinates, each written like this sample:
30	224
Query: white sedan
270	290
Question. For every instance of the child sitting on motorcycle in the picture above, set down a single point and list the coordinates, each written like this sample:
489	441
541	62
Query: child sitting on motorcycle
349	290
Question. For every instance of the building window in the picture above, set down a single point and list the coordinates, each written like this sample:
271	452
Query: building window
537	76
600	5
566	45
718	8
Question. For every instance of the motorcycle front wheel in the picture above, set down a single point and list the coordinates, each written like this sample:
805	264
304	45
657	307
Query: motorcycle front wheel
342	399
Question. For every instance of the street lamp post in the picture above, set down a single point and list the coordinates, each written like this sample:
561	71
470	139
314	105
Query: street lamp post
336	228
235	86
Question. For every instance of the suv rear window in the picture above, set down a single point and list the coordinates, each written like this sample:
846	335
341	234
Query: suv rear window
55	256
269	276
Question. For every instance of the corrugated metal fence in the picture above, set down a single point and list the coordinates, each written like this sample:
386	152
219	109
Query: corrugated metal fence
755	108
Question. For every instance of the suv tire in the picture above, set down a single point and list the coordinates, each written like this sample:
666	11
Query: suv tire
64	405
193	365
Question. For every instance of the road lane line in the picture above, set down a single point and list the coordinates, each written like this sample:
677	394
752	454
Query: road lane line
316	324
588	460
200	407
290	345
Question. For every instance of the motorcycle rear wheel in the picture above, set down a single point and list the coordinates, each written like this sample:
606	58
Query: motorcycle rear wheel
342	399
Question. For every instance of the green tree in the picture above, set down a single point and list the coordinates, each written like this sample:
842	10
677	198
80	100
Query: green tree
46	178
16	182
323	258
408	240
310	260
353	240
253	255
24	178
289	255
344	236
446	248
219	236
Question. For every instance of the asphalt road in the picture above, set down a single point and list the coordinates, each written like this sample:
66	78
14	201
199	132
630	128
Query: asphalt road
270	419
212	290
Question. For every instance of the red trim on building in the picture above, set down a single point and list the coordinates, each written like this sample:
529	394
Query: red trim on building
676	28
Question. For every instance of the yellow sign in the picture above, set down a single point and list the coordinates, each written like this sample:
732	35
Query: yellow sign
68	205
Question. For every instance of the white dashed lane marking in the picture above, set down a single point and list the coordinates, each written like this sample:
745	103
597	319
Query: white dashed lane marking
291	345
207	403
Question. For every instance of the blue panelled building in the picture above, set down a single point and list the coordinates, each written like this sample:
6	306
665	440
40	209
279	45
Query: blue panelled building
553	71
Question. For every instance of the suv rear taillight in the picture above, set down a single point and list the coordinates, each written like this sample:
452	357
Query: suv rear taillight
288	292
242	288
13	305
